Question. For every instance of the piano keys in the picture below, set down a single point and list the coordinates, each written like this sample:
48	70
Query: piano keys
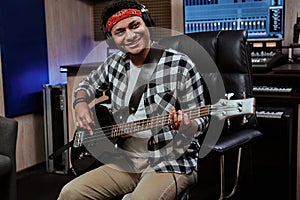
271	89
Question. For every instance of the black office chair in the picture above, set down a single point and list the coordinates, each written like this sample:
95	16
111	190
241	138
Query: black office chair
230	76
230	52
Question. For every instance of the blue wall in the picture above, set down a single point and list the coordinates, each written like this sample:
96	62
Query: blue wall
24	55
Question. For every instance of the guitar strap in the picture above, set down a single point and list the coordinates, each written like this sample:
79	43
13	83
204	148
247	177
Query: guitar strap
147	70
61	150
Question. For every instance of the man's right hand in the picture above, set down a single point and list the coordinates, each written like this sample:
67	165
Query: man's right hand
84	117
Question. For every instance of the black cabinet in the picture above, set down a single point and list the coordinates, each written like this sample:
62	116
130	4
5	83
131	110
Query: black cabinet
275	154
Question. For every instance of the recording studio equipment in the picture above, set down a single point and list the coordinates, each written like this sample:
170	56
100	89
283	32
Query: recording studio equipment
266	54
277	94
262	19
275	154
277	83
272	89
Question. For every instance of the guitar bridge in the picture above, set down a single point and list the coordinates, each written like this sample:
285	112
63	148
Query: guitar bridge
78	139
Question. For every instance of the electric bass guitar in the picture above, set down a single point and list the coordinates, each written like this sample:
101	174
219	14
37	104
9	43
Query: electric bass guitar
86	147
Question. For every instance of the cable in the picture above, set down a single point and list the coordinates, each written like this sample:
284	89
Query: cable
175	181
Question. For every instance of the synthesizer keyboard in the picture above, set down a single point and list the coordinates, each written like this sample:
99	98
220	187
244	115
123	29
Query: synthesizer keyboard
272	89
273	112
269	114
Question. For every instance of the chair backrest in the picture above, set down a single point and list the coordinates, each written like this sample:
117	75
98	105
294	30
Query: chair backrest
230	53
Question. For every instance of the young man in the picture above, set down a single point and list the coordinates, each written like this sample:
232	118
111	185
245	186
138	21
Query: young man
158	166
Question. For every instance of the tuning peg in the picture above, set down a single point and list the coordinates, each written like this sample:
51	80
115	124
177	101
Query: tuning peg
228	96
244	121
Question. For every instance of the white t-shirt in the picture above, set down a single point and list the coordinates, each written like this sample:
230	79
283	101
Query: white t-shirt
138	142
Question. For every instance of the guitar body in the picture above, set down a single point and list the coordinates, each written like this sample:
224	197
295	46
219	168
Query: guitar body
81	159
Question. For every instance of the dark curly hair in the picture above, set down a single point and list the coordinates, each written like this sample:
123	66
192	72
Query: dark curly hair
117	5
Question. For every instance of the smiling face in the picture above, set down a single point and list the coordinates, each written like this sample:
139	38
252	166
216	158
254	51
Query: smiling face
132	36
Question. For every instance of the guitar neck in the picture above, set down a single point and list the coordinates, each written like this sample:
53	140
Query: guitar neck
154	122
222	110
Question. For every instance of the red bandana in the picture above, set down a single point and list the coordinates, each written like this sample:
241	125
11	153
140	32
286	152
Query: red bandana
122	14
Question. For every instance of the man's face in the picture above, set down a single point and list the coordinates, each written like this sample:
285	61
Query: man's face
131	35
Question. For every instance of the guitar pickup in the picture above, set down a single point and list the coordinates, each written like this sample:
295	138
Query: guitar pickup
78	139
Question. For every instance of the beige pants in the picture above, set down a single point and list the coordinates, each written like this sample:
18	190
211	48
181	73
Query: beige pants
106	182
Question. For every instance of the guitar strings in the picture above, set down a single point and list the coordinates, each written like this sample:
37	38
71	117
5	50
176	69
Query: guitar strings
153	122
107	130
114	131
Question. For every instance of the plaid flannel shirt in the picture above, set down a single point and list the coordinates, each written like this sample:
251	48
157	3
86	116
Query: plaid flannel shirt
175	81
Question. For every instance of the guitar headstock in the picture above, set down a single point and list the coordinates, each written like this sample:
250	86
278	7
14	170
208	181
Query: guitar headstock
229	108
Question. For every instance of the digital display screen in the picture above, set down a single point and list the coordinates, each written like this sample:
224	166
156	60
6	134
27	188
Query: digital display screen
271	44
257	44
262	18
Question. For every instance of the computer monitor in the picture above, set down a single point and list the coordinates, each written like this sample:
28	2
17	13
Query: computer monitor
264	19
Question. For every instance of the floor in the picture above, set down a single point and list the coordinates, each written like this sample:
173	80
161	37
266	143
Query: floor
36	184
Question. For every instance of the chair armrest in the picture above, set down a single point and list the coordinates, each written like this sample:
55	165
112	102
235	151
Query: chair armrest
235	139
8	134
5	165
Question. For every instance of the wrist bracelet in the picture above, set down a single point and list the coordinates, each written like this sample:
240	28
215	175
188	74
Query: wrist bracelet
78	100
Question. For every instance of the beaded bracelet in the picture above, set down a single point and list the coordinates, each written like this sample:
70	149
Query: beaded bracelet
78	100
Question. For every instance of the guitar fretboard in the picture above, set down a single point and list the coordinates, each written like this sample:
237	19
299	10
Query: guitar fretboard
158	121
222	109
